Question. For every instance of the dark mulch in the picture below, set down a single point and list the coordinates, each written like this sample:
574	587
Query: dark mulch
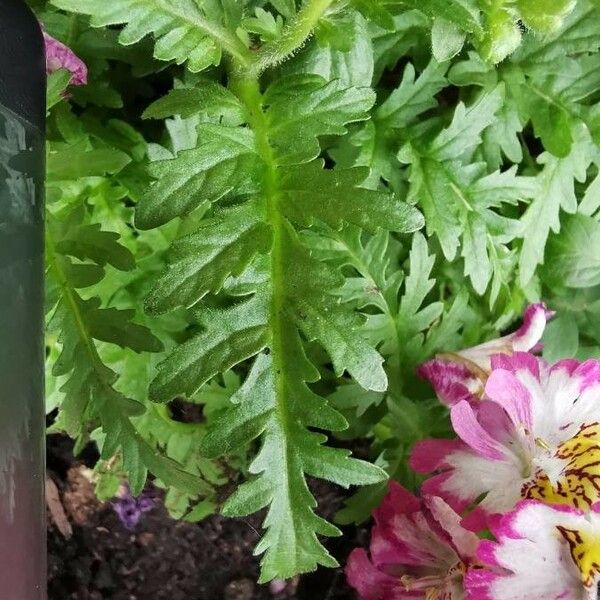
168	560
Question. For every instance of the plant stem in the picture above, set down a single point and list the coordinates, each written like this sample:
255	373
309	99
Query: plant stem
70	297
293	37
248	91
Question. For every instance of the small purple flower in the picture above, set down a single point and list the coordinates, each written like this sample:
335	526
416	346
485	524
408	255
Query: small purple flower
59	56
130	509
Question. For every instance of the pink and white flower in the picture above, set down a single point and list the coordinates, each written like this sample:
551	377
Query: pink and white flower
535	434
59	56
418	550
542	552
461	375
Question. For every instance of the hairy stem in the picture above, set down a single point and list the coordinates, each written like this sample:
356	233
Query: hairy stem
248	90
293	37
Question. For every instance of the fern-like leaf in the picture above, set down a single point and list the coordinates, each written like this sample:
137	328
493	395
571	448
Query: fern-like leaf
272	295
183	31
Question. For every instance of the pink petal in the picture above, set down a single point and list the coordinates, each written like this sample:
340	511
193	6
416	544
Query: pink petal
465	542
59	56
589	373
370	583
437	486
469	429
570	365
493	419
429	455
403	535
506	390
532	329
398	500
486	553
478	583
530	560
452	381
476	520
518	361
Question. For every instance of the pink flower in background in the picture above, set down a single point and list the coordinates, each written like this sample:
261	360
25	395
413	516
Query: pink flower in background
461	375
535	434
418	550
543	552
59	56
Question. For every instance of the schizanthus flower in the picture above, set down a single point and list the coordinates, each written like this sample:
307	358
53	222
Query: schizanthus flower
59	56
130	509
418	550
542	552
535	434
461	375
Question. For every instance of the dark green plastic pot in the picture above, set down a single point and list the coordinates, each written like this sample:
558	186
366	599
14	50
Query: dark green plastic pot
22	113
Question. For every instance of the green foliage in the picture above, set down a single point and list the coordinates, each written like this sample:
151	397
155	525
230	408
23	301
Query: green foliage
277	242
289	294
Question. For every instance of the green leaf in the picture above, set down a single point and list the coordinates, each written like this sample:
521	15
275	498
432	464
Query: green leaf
250	248
561	338
545	16
208	97
290	522
334	197
56	87
353	68
502	33
115	327
557	193
102	247
463	13
139	456
182	30
590	202
413	97
572	256
76	161
559	97
464	132
231	336
199	263
302	108
88	384
578	34
225	160
447	39
458	199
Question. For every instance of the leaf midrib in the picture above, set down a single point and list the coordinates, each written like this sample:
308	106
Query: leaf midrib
249	93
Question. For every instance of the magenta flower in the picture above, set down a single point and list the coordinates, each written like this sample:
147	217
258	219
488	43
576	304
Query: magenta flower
59	56
461	375
542	552
418	550
534	434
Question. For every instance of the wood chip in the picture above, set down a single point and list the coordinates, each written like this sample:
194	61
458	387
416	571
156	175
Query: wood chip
57	510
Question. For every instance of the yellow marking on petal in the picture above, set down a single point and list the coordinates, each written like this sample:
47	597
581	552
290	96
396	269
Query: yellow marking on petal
542	443
579	482
585	551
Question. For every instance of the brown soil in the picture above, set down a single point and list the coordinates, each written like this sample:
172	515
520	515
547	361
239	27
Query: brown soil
164	559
